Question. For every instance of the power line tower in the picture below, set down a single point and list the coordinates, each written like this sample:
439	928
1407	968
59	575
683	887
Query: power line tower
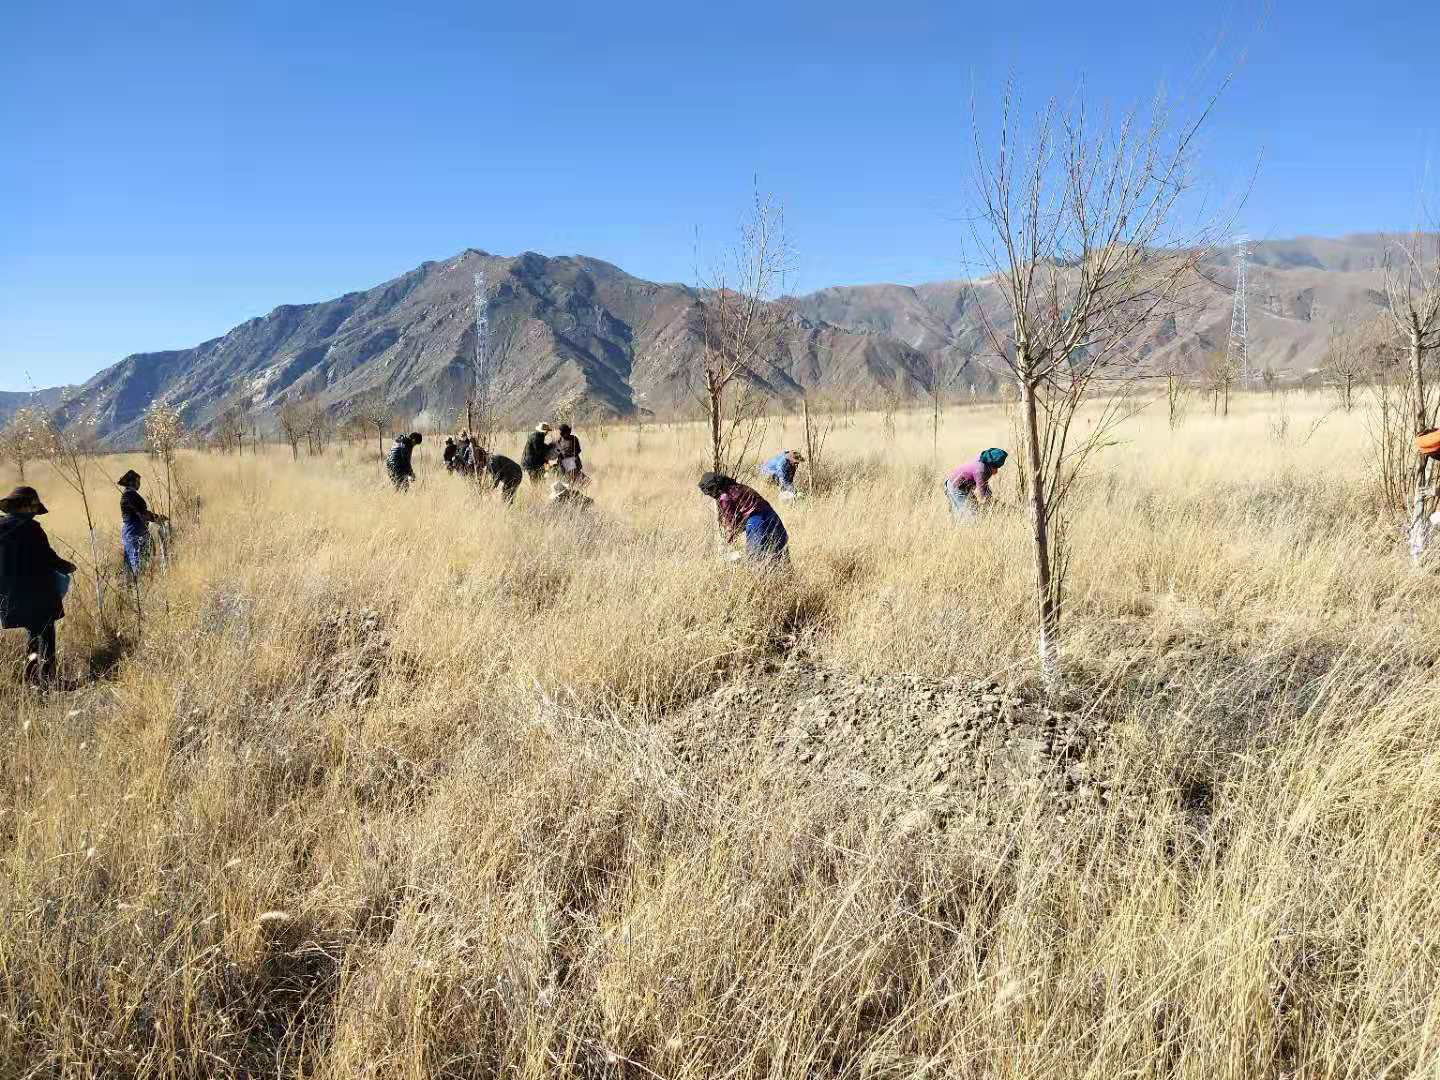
1237	353
479	377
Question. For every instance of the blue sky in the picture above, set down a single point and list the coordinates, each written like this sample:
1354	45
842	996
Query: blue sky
170	170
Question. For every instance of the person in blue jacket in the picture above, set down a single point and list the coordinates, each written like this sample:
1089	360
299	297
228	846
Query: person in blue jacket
135	520
32	582
780	470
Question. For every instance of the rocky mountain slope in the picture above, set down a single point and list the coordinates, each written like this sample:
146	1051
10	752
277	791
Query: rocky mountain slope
579	332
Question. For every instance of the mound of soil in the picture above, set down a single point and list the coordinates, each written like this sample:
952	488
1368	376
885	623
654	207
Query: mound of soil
961	750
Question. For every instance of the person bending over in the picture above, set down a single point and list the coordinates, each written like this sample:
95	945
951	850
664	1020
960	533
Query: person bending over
743	510
968	487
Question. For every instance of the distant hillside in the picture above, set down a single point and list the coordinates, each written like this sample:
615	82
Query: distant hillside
12	402
582	332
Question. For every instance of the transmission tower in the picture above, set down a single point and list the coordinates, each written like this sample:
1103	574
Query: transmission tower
480	380
1237	354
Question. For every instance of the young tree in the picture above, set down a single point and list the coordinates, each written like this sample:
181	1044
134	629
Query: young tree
1177	392
26	438
1412	292
293	422
164	431
1345	360
373	410
1083	227
1219	375
741	321
230	426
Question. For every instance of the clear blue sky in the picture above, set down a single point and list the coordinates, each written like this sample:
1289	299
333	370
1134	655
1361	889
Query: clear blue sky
168	170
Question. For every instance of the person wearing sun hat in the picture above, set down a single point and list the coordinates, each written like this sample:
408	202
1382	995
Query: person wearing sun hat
32	577
968	487
135	520
537	453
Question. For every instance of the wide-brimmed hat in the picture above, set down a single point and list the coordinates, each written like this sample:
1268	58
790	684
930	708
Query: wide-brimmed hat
23	500
130	477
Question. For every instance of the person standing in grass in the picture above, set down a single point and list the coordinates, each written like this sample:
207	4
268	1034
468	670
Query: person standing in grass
537	453
743	510
780	471
968	487
450	453
32	582
567	454
397	461
135	520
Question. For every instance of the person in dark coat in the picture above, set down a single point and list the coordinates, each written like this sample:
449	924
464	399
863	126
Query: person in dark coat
31	582
537	453
135	520
505	474
451	452
567	453
397	461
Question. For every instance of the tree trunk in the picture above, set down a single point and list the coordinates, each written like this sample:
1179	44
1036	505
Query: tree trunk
1226	410
715	389
1048	615
809	445
1348	380
1419	524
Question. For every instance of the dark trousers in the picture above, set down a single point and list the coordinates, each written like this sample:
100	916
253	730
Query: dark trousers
40	659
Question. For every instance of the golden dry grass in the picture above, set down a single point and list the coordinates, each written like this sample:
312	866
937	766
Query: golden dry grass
416	726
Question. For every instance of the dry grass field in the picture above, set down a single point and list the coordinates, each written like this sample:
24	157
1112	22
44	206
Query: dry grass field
405	786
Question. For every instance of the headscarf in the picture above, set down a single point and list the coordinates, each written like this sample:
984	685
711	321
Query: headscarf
130	479
714	484
994	457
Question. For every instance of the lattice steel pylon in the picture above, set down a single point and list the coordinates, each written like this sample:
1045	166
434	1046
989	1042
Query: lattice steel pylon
1237	353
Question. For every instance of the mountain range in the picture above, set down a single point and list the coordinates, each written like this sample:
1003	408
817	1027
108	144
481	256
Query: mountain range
580	334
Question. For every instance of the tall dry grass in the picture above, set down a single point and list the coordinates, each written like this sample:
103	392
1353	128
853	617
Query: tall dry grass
417	726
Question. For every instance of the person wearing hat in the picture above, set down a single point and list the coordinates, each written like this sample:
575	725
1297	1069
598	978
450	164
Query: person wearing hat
32	581
397	461
564	497
780	471
135	519
968	487
743	510
537	453
451	451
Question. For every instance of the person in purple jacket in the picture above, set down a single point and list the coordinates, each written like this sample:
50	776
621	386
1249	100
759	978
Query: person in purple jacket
968	487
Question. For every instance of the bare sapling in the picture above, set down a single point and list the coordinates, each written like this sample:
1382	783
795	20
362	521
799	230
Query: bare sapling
26	438
1412	293
1220	375
70	449
1089	235
164	432
1177	392
743	325
1344	364
293	422
373	411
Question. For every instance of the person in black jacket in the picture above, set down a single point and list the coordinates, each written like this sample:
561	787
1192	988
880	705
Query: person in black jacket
504	473
537	453
567	453
397	461
30	587
451	452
